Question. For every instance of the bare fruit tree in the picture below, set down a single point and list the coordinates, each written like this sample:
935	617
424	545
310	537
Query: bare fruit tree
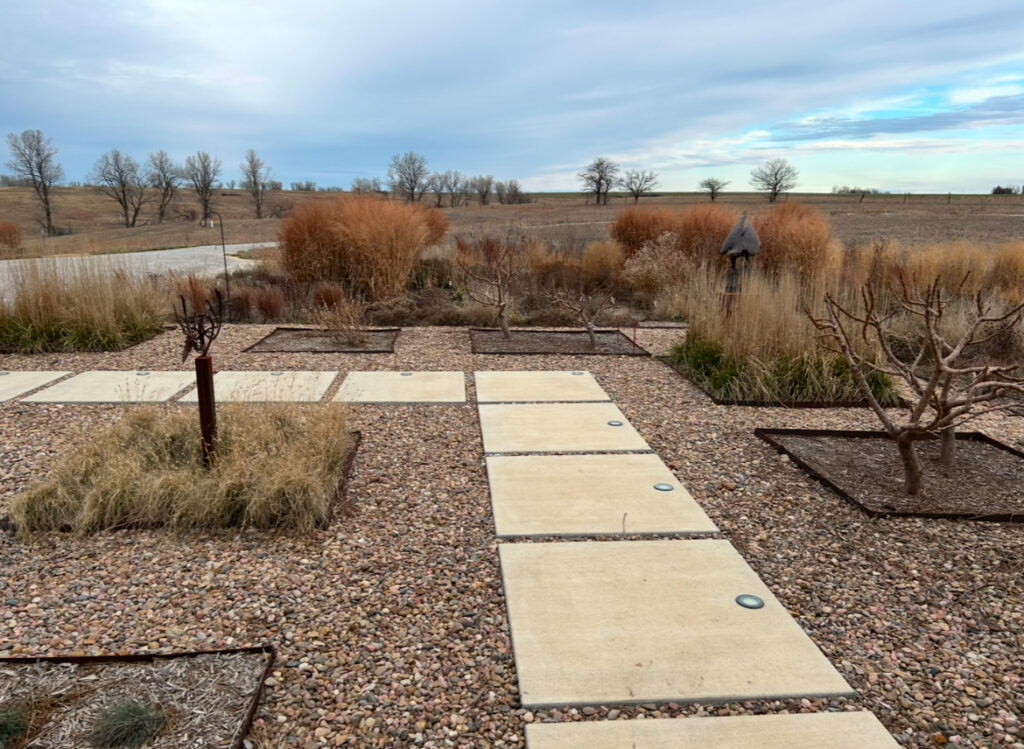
33	160
255	175
599	177
948	389
489	267
119	176
202	171
165	177
407	176
774	177
712	186
639	182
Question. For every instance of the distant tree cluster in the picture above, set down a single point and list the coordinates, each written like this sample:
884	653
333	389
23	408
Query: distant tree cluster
1006	190
601	175
846	190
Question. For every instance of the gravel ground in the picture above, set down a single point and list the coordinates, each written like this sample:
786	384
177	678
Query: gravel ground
391	624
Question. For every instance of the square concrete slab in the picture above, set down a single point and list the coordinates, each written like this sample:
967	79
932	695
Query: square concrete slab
395	388
556	427
13	384
262	387
618	622
115	387
518	387
858	730
573	495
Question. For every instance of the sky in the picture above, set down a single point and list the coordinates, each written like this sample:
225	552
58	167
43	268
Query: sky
898	96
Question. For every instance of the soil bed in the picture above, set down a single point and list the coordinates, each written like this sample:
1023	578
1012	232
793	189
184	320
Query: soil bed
314	341
865	468
491	341
208	699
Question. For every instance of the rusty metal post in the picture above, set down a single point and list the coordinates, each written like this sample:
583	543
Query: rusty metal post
207	409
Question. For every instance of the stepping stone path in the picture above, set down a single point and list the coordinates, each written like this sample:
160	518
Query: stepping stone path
628	622
13	384
403	388
261	387
115	387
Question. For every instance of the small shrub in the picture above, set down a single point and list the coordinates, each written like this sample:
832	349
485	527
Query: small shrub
127	725
635	227
10	235
794	236
328	295
342	318
602	264
435	271
270	301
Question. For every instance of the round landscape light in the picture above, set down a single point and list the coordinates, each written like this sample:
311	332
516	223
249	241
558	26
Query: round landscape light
614	423
142	374
664	487
276	374
406	374
748	601
577	373
4	373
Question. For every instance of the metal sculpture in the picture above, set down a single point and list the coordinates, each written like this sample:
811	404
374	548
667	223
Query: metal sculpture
201	329
742	242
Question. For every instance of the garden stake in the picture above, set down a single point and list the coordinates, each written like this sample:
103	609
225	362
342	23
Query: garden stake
200	331
207	409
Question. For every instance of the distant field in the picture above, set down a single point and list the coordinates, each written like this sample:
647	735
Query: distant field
567	219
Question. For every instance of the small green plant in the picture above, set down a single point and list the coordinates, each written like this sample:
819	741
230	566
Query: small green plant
128	724
13	725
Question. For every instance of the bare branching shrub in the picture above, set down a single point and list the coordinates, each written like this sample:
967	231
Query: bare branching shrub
794	236
278	467
489	267
947	389
368	245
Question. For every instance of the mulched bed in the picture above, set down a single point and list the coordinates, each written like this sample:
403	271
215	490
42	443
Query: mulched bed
491	341
208	698
865	468
313	340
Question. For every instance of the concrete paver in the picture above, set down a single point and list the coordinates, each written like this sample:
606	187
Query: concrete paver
98	386
854	730
556	427
396	388
513	387
567	495
620	622
286	386
13	384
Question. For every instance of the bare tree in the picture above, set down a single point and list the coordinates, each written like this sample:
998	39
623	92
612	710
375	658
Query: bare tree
33	161
712	186
364	185
164	176
407	176
638	183
254	179
482	186
202	171
489	267
599	177
946	387
774	177
119	177
510	193
437	187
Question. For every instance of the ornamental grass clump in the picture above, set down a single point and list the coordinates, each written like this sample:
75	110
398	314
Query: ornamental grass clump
127	725
278	466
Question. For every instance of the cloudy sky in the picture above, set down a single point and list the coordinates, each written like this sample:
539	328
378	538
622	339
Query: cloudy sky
924	97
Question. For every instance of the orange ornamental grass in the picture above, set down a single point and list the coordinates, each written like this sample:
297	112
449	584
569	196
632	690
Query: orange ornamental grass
794	236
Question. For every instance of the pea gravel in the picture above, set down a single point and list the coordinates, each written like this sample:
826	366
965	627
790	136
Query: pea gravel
390	625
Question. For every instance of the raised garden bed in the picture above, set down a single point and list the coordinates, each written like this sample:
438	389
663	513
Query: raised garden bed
319	341
609	342
864	468
206	698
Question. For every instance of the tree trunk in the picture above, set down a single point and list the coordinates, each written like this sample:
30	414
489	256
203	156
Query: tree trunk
948	455
912	471
503	323
590	334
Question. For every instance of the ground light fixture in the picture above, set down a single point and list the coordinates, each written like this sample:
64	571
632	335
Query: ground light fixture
664	487
748	601
614	423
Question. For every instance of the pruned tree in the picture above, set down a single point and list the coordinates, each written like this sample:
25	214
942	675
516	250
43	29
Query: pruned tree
712	186
33	161
366	186
639	182
489	267
254	179
118	176
948	389
483	185
164	176
407	176
599	177
202	171
774	177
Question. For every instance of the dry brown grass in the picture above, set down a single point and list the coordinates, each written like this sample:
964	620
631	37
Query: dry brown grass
601	264
278	467
635	227
10	235
796	237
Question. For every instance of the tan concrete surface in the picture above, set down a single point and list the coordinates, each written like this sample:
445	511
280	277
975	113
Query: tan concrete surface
289	386
396	388
540	495
556	427
856	730
619	622
13	384
98	386
512	387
